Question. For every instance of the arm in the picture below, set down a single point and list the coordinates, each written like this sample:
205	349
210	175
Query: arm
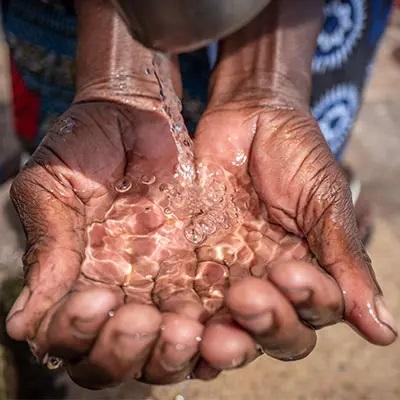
272	55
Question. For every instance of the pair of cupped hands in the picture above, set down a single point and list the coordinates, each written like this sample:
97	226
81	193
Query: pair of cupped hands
114	288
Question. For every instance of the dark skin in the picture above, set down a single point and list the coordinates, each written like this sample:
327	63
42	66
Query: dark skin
290	262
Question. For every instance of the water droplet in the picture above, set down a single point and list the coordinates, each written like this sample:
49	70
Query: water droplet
179	397
149	277
176	128
180	347
148	180
54	362
162	328
208	226
240	158
167	211
147	71
45	359
33	346
194	234
198	339
63	126
186	143
123	185
111	313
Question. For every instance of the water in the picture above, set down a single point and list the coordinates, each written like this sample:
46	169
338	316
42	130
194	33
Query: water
54	362
63	126
123	185
172	108
199	193
148	180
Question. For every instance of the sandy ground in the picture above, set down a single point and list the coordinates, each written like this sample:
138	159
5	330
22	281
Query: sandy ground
343	366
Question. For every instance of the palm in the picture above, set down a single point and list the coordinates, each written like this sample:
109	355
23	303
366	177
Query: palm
265	231
94	186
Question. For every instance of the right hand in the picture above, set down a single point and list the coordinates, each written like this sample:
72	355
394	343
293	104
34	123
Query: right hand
82	301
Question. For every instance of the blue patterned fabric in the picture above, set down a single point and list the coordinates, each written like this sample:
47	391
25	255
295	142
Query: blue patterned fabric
42	37
342	61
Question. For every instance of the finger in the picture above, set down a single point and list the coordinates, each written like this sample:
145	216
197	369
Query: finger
176	350
121	349
225	345
265	313
333	237
54	247
314	294
77	322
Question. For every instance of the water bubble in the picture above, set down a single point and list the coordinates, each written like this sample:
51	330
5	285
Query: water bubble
111	313
167	211
123	185
149	277
147	71
208	226
194	234
186	143
198	339
148	180
162	328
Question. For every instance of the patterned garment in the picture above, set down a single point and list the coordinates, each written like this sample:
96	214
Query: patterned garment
42	38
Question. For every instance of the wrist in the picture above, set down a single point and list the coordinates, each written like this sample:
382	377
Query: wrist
269	61
111	64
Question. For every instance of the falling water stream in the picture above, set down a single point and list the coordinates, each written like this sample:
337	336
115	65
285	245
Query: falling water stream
199	191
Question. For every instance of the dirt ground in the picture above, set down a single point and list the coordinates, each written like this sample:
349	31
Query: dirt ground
343	366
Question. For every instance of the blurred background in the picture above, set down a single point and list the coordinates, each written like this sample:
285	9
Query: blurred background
343	366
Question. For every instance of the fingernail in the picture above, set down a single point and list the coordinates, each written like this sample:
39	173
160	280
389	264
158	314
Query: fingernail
384	314
20	303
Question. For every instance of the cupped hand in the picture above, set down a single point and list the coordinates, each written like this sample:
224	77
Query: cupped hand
108	271
292	255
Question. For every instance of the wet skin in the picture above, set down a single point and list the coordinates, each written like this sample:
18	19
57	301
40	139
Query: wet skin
298	262
130	297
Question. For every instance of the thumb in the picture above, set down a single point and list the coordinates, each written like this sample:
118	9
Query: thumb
54	247
329	223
